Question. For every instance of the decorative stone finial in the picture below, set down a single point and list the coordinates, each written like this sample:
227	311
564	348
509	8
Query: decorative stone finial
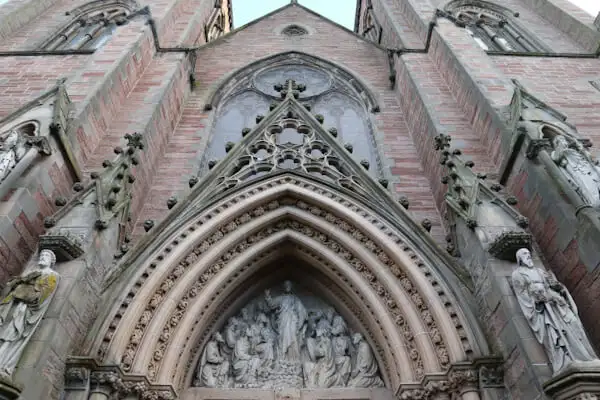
403	200
148	224
171	202
426	224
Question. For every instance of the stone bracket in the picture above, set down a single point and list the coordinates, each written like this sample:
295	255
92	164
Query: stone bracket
66	244
506	245
580	380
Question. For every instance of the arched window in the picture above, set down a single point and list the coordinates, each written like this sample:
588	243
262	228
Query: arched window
371	28
92	26
493	27
326	94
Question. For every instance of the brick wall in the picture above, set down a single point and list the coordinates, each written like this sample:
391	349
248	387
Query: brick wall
123	87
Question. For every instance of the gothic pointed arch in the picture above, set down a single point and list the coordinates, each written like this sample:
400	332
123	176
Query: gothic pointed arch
288	202
493	27
330	92
91	25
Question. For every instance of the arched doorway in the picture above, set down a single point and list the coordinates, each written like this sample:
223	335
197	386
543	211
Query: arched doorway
287	201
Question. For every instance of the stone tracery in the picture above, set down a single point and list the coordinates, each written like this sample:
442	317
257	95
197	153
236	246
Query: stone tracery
287	341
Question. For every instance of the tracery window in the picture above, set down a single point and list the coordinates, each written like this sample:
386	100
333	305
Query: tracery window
325	94
92	26
492	27
371	28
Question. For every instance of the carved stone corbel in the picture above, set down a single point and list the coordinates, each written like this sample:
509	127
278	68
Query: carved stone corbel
86	374
41	143
64	242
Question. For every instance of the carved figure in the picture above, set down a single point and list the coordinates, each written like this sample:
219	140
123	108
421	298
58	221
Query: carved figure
323	373
275	342
245	364
578	168
214	368
266	346
291	317
551	313
341	348
343	365
365	372
22	309
231	335
12	150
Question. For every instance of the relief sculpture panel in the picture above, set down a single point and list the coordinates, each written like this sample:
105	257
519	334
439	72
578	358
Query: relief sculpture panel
286	340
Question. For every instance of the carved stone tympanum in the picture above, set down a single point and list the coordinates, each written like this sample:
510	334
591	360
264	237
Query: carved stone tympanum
283	342
551	313
22	309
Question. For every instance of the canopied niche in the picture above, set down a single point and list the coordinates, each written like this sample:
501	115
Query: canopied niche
287	337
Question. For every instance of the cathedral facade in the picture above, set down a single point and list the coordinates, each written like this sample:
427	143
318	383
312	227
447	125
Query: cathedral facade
290	209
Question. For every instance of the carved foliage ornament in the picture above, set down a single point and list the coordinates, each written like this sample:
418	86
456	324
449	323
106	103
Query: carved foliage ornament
121	386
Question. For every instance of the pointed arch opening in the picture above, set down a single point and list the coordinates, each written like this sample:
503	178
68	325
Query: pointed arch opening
207	262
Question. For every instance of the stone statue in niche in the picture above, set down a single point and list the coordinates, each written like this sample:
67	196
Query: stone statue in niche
12	149
287	341
22	309
578	167
551	313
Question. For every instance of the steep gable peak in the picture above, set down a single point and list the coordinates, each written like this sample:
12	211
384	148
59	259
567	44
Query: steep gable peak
298	23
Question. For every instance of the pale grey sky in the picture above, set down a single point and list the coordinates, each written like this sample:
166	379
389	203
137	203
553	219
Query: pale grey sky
340	11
